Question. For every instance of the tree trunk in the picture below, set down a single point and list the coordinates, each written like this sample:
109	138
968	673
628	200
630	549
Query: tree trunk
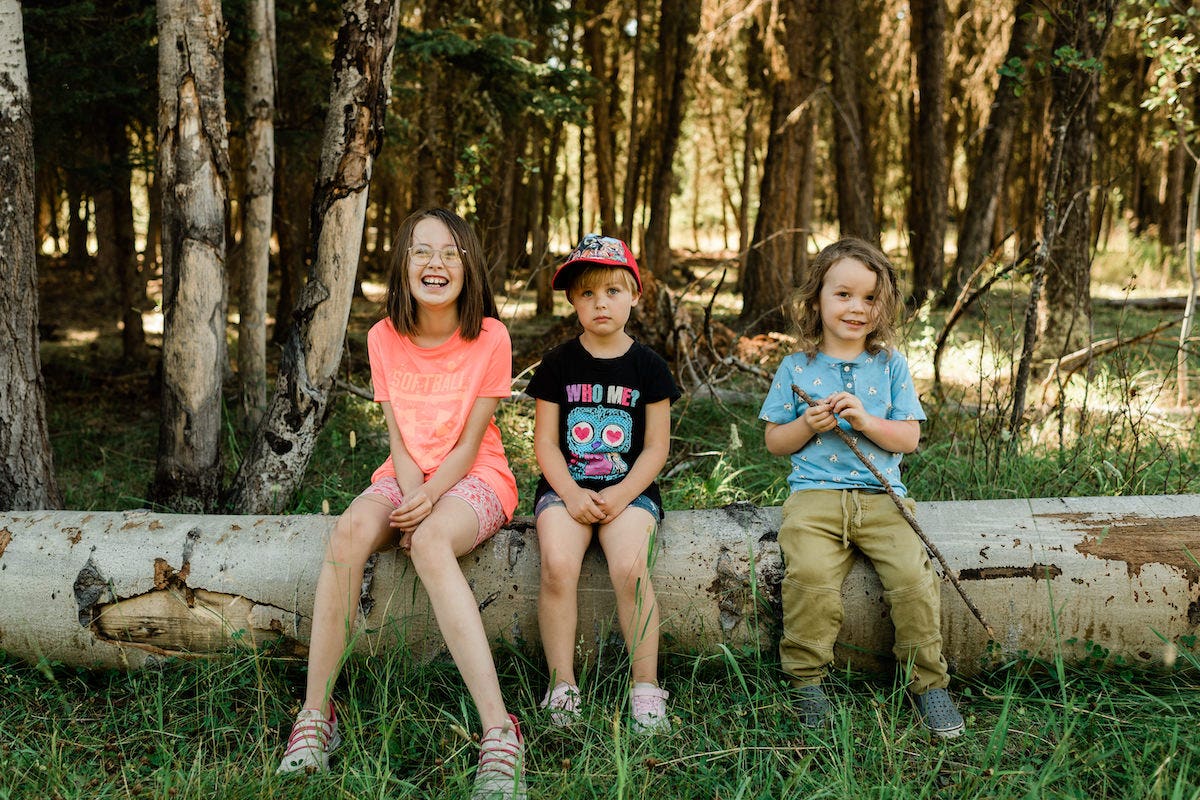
1065	310
282	446
291	226
636	141
194	167
985	191
769	275
116	250
678	23
927	204
77	222
26	464
435	156
150	251
259	200
1174	200
852	134
543	270
595	48
126	590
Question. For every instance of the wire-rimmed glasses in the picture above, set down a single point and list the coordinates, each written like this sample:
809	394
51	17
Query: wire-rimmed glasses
421	255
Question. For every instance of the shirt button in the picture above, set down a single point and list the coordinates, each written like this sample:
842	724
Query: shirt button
849	385
845	368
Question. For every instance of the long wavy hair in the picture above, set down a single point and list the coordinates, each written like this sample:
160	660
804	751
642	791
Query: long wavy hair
475	301
805	304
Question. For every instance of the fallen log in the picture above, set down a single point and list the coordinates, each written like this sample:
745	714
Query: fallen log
1054	576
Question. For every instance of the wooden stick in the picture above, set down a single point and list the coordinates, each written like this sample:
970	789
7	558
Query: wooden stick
908	517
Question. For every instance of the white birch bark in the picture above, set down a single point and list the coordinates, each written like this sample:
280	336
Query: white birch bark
26	464
193	167
256	228
1052	576
276	459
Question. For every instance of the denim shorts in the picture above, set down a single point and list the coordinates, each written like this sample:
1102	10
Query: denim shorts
551	498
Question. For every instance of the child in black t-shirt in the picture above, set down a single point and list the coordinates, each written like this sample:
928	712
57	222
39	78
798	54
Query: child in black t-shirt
601	436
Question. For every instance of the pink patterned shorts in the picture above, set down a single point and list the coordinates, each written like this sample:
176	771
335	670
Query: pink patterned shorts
472	490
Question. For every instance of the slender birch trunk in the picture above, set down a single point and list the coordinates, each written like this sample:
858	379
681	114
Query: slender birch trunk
362	71
26	465
256	229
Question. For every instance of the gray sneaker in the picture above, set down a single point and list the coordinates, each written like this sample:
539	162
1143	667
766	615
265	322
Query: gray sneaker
812	706
937	713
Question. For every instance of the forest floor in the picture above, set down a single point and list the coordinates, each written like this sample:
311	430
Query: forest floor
104	411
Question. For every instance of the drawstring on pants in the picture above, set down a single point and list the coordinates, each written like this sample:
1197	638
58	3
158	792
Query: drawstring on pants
847	520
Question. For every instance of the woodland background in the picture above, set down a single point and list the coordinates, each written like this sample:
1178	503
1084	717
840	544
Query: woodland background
191	179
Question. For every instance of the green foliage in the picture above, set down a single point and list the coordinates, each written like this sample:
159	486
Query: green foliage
499	85
1170	35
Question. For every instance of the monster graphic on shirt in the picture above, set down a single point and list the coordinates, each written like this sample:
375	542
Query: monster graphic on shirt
596	436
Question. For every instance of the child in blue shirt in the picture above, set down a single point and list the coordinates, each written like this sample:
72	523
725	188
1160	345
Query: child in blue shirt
845	311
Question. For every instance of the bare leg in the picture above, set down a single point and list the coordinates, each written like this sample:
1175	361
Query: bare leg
447	533
626	543
562	543
360	531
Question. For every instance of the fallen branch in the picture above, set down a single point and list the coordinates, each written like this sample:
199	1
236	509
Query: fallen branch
1073	362
908	517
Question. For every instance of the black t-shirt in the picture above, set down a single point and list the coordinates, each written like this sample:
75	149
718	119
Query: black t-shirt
601	409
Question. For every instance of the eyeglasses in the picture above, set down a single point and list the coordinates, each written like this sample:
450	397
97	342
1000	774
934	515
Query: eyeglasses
422	255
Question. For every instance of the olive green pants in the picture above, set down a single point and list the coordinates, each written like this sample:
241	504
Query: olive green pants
822	533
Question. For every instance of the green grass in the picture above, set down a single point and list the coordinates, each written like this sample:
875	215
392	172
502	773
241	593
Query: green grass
214	728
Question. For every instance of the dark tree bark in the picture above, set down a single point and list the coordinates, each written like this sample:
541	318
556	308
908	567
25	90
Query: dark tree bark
116	250
77	221
362	70
292	202
27	479
1174	207
595	47
496	203
547	150
930	168
985	190
770	270
678	23
435	157
635	146
194	167
1065	311
851	128
257	216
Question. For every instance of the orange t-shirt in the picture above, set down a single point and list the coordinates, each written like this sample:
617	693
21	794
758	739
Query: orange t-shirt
431	392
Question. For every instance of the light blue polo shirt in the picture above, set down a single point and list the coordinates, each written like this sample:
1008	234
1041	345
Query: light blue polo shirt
884	385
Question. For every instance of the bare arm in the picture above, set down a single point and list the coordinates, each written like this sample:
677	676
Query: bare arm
656	446
785	438
584	506
418	503
408	474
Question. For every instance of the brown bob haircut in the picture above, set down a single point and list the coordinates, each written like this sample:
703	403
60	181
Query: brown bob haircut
475	301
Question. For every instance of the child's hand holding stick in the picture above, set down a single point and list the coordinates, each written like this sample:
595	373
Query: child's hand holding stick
908	517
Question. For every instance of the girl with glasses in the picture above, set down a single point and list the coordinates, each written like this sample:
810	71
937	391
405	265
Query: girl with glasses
440	362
